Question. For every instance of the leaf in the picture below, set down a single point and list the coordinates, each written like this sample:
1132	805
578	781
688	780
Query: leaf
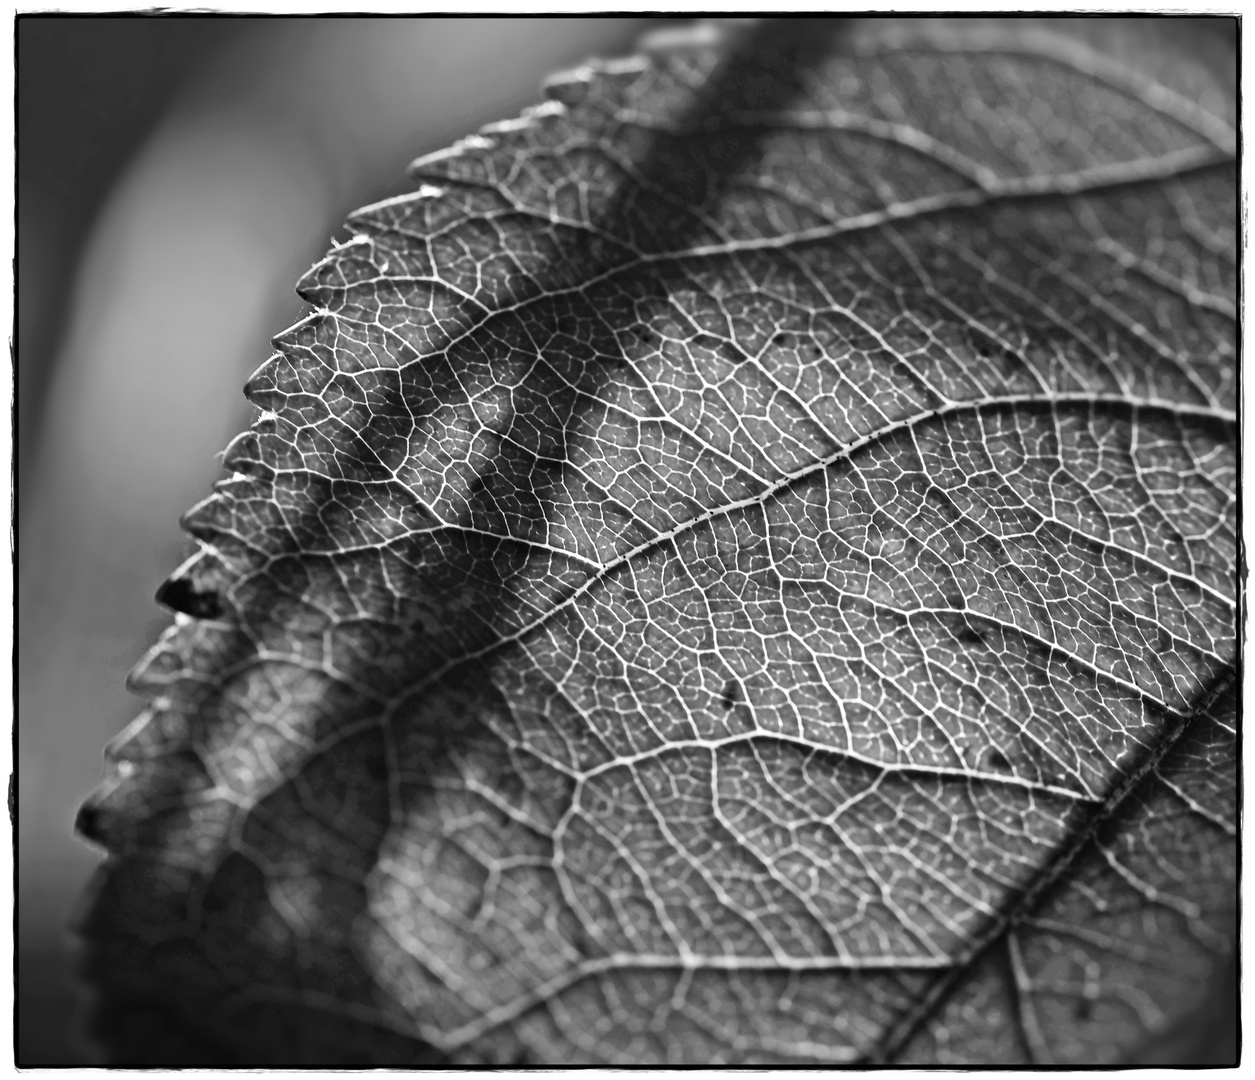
739	567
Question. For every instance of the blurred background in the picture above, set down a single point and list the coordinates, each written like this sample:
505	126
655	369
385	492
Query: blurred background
175	176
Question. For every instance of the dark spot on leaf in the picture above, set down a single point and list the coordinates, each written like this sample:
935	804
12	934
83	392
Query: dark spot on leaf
996	760
816	352
580	938
179	594
1084	1008
956	601
730	694
779	339
969	635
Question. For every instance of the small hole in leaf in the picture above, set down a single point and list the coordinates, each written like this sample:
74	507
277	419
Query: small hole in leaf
730	694
179	594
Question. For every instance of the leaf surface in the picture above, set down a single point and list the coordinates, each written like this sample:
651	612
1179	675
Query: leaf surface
739	567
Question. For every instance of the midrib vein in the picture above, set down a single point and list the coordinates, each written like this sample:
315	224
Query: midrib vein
779	487
1023	902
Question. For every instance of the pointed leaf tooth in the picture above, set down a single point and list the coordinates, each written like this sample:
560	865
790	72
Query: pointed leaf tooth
243	455
569	88
461	161
159	731
208	518
260	386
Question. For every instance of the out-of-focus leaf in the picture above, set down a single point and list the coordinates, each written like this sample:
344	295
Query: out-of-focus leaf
739	567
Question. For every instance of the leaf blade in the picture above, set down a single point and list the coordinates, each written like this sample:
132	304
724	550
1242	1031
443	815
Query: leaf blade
841	425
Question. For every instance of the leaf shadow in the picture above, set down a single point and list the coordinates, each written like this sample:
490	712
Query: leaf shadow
469	582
